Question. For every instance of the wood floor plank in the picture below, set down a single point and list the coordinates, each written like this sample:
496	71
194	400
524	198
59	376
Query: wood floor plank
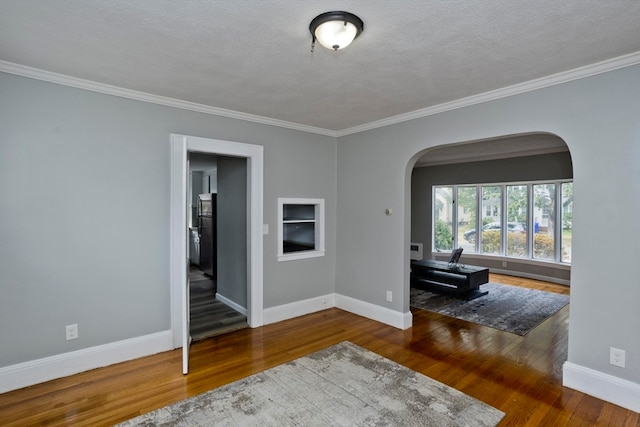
521	376
207	315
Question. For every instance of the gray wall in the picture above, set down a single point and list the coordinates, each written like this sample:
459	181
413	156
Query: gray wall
598	119
76	169
76	166
530	168
291	281
232	229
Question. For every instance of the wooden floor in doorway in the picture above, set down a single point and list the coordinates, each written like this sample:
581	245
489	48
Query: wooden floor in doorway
208	316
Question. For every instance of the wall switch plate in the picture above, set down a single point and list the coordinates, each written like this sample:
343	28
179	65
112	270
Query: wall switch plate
616	357
265	229
389	296
72	332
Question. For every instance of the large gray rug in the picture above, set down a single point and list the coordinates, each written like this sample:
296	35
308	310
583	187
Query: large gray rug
343	385
508	308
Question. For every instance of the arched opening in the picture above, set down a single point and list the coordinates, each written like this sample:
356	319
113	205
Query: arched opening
507	201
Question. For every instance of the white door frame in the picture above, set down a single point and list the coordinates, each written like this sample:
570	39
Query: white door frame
181	145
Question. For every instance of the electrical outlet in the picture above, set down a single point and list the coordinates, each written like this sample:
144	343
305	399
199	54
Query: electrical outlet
504	263
616	357
389	296
72	332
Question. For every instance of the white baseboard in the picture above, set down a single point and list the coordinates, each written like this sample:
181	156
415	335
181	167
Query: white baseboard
603	386
61	365
352	305
531	276
371	311
226	301
298	308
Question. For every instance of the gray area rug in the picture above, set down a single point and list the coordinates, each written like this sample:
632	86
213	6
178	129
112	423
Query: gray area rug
508	308
342	385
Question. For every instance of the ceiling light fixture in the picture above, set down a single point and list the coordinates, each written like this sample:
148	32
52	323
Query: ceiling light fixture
335	30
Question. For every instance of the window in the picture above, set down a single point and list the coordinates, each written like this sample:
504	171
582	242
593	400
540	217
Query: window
300	228
467	208
443	214
567	221
537	217
517	218
544	202
491	236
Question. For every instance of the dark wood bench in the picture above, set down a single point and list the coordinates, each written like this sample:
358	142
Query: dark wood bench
461	281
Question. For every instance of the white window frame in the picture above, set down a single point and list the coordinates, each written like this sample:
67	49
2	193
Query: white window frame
503	220
319	228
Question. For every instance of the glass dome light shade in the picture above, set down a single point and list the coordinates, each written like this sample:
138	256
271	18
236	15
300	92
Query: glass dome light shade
336	30
335	34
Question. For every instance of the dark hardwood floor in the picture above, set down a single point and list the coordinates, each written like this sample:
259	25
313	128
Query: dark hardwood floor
208	316
521	376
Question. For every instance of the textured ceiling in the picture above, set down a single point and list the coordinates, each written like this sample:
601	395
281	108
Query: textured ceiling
254	56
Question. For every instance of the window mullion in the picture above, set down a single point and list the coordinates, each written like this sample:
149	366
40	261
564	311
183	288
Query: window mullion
504	220
454	217
557	252
478	217
530	220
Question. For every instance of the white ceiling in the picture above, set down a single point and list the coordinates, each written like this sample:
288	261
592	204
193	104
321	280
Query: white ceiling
253	56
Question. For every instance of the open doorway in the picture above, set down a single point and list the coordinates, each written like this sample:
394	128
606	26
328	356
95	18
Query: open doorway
181	146
217	215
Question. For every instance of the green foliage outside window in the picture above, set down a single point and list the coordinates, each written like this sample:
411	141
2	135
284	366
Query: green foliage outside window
443	235
517	244
543	246
491	242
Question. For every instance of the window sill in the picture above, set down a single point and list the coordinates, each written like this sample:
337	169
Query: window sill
300	255
515	260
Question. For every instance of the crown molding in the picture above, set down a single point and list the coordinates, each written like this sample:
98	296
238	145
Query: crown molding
554	79
48	76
